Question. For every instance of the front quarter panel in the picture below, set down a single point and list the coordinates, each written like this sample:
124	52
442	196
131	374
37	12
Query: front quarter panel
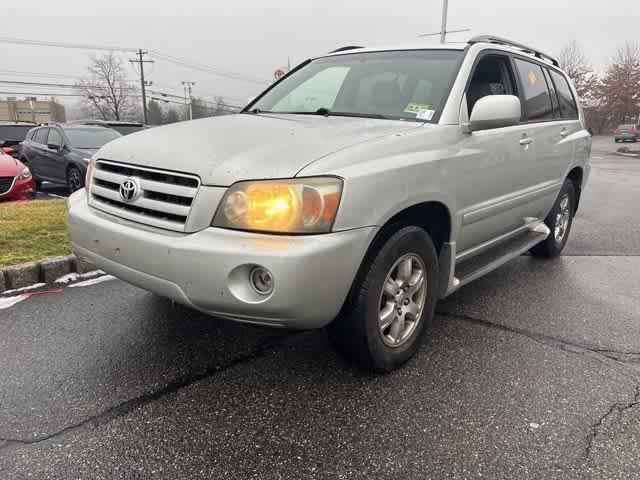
390	174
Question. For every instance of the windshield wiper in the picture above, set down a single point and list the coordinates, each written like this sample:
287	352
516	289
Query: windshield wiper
325	112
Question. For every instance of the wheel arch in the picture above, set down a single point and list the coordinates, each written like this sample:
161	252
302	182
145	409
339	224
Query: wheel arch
576	176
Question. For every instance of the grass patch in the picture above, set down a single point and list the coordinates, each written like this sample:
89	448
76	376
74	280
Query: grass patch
32	230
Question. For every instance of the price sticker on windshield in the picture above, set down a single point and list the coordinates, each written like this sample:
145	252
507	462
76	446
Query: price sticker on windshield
416	107
425	114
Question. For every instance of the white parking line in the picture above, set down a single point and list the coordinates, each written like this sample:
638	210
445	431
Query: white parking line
93	281
6	302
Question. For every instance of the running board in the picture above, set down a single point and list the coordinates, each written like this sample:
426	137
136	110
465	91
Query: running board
479	265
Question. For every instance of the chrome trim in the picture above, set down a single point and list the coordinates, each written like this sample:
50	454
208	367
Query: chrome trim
13	183
156	204
532	224
507	202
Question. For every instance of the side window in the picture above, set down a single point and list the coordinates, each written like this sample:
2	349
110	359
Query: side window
492	76
54	137
41	136
568	107
536	96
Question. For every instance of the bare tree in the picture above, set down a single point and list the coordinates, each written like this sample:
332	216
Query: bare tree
106	88
576	65
619	90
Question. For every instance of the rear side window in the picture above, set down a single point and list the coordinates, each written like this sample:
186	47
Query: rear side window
537	100
41	136
568	107
54	137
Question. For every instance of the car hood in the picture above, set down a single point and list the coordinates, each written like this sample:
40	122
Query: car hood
224	150
9	166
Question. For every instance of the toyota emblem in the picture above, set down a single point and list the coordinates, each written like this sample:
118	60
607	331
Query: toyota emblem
129	190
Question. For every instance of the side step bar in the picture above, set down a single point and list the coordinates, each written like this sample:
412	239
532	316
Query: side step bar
479	265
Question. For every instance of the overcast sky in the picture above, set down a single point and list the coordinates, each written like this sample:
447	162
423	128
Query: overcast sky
255	37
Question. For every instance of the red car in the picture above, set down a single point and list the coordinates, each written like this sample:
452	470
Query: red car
16	182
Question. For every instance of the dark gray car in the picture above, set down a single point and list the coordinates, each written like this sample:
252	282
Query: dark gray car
60	153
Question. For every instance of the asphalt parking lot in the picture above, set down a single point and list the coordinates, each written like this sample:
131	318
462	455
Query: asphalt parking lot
530	372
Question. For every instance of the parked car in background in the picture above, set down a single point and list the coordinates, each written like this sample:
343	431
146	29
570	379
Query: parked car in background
355	192
12	134
60	153
125	128
16	182
626	133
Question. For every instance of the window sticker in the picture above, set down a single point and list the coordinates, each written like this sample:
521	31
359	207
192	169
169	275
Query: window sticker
533	78
416	107
425	114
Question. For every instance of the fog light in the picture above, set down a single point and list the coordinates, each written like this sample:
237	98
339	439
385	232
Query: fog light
261	280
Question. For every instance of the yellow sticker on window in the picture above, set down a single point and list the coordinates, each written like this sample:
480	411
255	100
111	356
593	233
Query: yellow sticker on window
533	78
416	107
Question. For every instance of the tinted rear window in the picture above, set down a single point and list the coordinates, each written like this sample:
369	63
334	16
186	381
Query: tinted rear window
537	99
14	132
41	136
568	107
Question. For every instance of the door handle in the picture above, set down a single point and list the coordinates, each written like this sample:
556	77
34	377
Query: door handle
564	132
526	141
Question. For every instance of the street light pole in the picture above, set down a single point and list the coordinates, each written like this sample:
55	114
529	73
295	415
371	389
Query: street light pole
187	97
443	29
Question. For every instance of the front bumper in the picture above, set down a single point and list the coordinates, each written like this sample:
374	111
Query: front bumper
208	270
24	189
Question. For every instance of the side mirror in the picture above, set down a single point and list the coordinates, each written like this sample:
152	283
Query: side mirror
495	111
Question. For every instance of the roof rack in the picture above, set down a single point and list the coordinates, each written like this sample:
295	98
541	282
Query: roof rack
510	43
344	49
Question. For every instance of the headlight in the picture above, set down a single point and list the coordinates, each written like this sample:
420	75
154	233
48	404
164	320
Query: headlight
26	173
87	178
300	205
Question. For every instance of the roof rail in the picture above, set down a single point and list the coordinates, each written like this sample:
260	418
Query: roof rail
510	43
344	49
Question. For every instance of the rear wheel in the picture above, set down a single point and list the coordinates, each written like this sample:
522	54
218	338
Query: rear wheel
74	179
391	303
559	222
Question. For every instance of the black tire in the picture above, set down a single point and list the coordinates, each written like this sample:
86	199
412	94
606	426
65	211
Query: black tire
553	245
356	332
74	179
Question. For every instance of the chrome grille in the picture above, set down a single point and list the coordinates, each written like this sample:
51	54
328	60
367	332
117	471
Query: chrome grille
5	184
164	199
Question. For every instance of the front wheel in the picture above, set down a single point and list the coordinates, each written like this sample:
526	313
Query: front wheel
559	222
391	302
74	179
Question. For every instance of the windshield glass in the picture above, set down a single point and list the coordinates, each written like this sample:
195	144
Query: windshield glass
90	138
407	85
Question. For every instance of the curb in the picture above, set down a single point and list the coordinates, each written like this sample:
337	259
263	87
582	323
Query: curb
46	271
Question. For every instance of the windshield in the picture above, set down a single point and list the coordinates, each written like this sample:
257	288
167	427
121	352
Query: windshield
406	85
90	138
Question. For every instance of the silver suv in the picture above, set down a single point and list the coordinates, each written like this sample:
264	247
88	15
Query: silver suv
355	192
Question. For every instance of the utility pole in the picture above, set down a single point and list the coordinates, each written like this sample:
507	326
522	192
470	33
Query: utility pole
187	97
141	61
443	29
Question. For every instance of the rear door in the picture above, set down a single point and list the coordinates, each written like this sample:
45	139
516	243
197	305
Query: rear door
550	135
